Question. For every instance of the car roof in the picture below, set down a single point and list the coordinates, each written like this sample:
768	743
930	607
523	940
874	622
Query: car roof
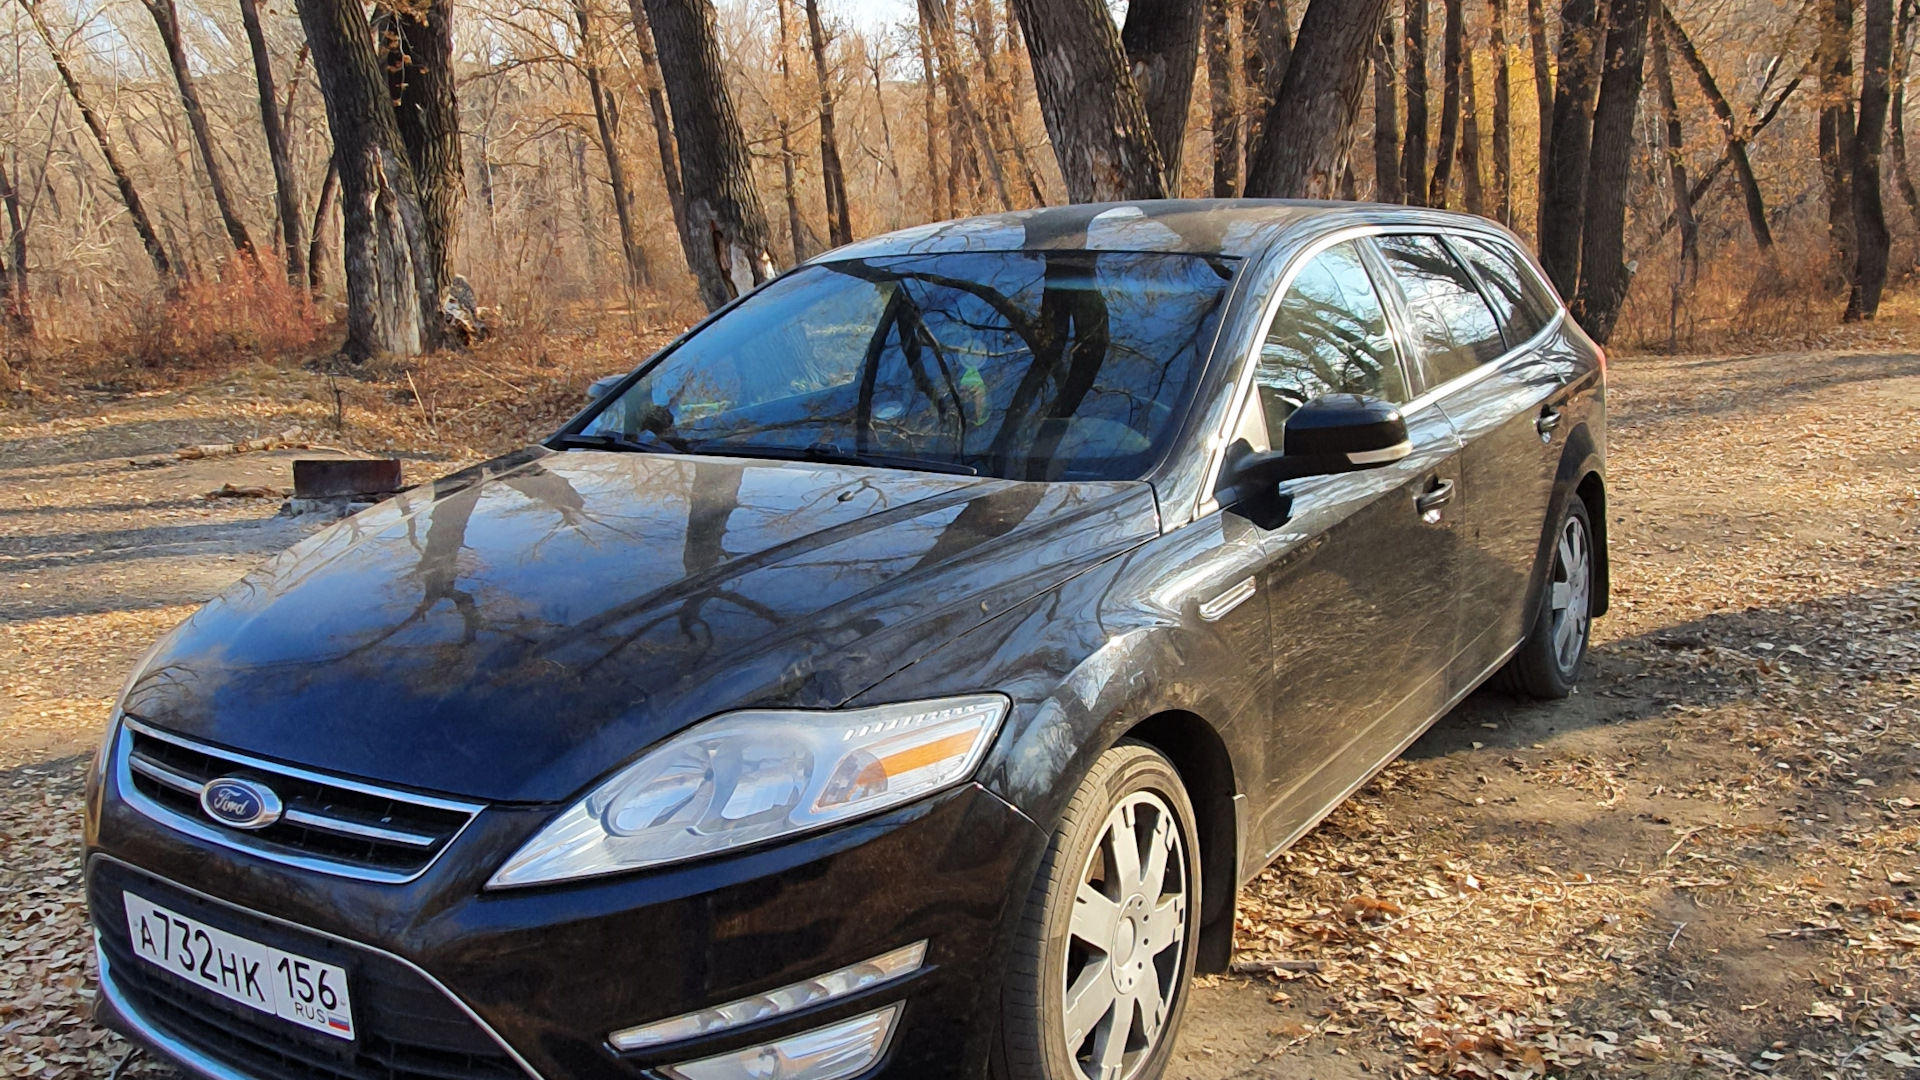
1238	228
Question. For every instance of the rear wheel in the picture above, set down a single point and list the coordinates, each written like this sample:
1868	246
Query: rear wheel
1549	660
1104	952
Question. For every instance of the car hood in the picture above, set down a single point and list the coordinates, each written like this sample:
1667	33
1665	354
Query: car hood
513	631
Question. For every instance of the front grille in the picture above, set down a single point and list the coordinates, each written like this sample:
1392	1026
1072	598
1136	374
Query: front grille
330	824
406	1027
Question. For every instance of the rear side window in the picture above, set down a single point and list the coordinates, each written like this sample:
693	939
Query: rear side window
1329	336
1522	304
1455	327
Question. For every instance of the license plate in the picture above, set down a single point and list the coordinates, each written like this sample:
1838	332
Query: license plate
294	988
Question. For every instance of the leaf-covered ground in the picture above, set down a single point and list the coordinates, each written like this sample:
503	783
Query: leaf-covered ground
1703	863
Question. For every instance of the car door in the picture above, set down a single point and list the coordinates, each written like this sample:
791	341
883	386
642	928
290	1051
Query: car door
1501	395
1360	574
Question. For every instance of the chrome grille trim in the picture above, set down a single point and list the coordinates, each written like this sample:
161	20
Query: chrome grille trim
125	763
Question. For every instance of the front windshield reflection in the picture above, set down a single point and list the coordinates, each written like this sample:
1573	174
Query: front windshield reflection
1029	365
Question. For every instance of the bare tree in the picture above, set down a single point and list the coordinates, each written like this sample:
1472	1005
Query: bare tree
1870	216
930	102
999	99
1269	48
1836	133
1386	112
167	20
1737	137
1224	91
1473	180
418	43
1563	199
832	175
1502	113
937	19
1309	129
1101	133
1896	114
1543	96
789	188
1162	43
286	191
1413	155
1676	146
1451	61
729	247
1604	275
19	314
662	122
606	119
317	246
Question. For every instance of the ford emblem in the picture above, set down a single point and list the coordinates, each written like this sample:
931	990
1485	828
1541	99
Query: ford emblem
241	804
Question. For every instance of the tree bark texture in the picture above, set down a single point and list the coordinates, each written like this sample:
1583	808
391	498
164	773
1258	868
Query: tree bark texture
1309	130
317	245
1836	132
832	175
729	241
19	314
129	196
606	118
1453	36
1225	72
1473	177
1162	42
1386	112
167	20
286	191
935	15
1869	214
1502	113
1413	155
1896	115
1000	98
419	65
930	101
1604	276
1563	213
662	124
1737	137
1543	98
1094	113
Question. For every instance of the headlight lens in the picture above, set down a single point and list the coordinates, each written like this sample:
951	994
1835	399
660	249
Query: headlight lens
746	777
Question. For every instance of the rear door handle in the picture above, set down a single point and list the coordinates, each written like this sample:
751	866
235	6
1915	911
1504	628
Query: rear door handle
1549	419
1435	497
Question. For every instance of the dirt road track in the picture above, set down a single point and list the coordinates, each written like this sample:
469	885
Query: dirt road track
1703	863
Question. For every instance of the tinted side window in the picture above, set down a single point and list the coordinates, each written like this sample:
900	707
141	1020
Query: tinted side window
1519	299
1456	329
1329	336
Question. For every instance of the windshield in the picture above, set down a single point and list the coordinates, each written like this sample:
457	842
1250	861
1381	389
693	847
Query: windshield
1027	365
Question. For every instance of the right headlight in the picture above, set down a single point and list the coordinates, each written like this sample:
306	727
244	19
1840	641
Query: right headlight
746	777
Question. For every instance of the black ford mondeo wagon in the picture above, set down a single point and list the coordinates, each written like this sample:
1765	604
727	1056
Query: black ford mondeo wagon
897	675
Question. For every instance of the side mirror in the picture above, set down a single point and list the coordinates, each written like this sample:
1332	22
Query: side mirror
599	387
1335	433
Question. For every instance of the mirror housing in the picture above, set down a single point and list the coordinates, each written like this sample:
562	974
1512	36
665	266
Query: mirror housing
598	388
1334	433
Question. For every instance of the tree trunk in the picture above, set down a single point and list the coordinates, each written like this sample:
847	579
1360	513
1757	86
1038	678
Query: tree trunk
392	296
19	313
1705	183
1386	112
1896	115
606	118
1224	73
729	242
873	59
937	18
1309	130
1564	212
1000	122
789	188
1869	215
1676	161
136	210
1502	114
1094	113
930	99
1268	51
1737	138
1162	42
317	246
286	193
1543	100
1836	133
1473	181
418	41
167	21
1413	156
1454	36
1604	276
832	175
662	125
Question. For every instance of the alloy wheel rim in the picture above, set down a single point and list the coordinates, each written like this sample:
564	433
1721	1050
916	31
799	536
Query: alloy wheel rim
1126	940
1572	591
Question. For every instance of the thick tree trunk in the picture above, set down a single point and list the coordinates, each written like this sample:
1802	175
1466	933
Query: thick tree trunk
1836	133
832	175
317	246
19	314
1896	115
789	187
167	21
286	192
1737	138
935	15
662	125
1473	179
1224	74
729	242
1502	114
1604	276
419	62
606	118
1869	215
1309	130
1413	155
1454	38
129	197
1543	99
392	295
1162	42
1094	113
1676	161
1386	112
1564	213
1269	49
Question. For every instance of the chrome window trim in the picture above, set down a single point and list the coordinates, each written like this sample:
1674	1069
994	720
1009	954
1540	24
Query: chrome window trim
123	769
1243	388
222	1072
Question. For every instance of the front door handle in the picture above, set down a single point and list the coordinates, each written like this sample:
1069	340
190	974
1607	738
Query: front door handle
1549	419
1429	502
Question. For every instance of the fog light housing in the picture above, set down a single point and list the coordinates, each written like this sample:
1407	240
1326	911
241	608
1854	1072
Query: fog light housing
790	998
833	1052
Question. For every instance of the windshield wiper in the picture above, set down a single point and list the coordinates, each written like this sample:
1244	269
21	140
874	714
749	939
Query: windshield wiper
621	443
827	455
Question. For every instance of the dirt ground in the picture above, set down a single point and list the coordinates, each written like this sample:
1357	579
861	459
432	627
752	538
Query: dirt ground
1704	862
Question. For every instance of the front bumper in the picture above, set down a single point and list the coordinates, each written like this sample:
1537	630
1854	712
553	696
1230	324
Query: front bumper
529	982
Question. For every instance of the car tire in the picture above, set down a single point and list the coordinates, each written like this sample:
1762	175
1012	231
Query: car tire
1098	931
1548	663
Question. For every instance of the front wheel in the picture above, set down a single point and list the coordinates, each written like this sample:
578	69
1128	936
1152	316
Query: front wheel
1103	955
1548	662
